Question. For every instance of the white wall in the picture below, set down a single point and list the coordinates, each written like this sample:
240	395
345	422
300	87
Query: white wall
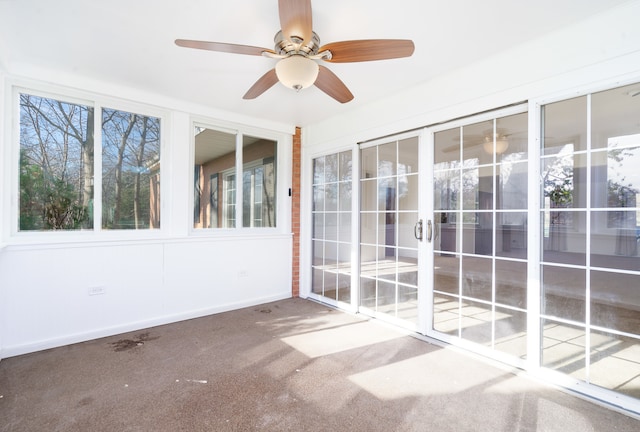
602	51
148	278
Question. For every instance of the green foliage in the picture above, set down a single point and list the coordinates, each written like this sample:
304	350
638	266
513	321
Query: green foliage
46	202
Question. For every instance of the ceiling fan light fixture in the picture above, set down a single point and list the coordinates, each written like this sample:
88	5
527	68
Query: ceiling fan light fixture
297	72
502	144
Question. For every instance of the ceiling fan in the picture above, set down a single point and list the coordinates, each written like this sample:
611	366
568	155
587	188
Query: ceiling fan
297	47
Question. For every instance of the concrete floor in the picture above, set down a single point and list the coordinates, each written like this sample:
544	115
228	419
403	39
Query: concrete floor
292	365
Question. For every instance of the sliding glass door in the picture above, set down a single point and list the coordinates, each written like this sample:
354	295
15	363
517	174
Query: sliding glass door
479	207
389	230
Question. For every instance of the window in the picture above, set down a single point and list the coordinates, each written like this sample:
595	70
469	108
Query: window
58	181
130	169
217	200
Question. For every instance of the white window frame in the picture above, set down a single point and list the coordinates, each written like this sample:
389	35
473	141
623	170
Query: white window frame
97	102
283	166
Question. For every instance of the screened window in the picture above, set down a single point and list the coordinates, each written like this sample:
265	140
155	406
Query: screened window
58	181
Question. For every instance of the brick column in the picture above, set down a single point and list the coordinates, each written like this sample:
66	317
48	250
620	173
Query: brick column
295	213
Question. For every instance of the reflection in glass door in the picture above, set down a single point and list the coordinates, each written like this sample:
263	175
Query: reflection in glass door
388	223
590	260
480	240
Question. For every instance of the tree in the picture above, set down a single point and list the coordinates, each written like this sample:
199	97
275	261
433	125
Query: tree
56	164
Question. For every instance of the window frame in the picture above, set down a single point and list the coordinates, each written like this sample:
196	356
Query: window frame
282	141
98	103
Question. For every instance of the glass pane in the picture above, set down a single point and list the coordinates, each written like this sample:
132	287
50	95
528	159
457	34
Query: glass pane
477	233
512	186
368	261
615	301
474	138
446	232
369	228
447	149
564	180
477	278
369	162
318	197
130	167
511	234
214	155
408	187
344	227
387	292
317	283
614	118
446	190
344	196
614	180
318	226
345	167
344	288
318	170
476	321
387	159
387	194
387	263
511	332
408	267
388	222
330	286
56	165
331	168
511	283
259	182
446	274
564	237
615	363
408	156
368	292
563	348
369	195
477	188
565	125
564	291
331	226
446	314
331	197
614	239
406	230
318	252
511	138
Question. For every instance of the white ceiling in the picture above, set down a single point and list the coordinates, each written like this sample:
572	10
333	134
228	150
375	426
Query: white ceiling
131	43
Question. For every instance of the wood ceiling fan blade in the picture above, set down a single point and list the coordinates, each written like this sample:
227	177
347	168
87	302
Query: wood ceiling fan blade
329	83
264	83
222	47
295	19
368	50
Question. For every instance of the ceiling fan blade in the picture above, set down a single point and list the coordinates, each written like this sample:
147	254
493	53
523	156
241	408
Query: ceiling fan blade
368	50
296	19
264	83
329	83
222	47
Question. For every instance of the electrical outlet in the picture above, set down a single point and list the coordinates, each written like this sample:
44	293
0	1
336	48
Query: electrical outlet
97	290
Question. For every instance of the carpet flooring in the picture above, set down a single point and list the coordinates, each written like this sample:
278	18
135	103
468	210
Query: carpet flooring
291	365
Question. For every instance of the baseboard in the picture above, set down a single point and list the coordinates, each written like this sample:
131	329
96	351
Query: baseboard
16	350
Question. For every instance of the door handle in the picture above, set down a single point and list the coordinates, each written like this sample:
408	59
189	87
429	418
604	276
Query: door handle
429	230
417	230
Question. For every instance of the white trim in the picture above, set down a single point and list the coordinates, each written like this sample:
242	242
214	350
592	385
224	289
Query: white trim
16	350
15	236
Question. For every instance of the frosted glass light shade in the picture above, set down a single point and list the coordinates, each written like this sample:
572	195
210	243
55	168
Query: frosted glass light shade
297	72
501	145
